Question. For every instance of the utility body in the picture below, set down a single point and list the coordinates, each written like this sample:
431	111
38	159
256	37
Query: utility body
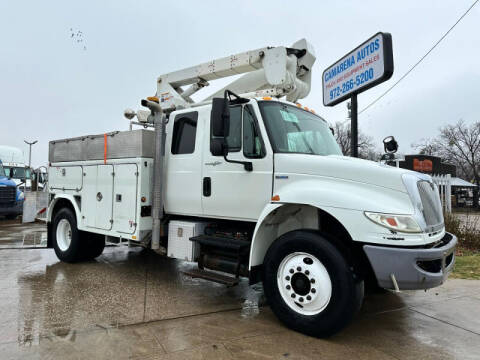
247	184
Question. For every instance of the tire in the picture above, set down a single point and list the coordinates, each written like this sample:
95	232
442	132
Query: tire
94	244
306	265
66	236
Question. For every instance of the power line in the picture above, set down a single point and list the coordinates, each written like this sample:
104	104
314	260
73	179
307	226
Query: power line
421	59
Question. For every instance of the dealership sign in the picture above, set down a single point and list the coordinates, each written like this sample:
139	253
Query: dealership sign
368	65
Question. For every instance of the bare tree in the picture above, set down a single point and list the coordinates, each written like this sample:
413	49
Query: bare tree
366	147
458	144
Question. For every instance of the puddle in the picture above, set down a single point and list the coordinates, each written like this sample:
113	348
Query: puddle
17	235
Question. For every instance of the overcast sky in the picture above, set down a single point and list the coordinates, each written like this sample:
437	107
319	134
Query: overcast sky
51	87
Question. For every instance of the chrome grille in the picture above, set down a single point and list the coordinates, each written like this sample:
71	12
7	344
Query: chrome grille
7	194
432	207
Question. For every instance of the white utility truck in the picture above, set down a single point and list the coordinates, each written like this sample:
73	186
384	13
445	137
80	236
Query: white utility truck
252	186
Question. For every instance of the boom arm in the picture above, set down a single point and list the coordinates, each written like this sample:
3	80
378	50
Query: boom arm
285	71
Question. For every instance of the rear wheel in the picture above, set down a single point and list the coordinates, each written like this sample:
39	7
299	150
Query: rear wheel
93	245
309	285
66	236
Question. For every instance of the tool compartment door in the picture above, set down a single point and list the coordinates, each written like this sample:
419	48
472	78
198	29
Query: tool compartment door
125	185
65	178
97	196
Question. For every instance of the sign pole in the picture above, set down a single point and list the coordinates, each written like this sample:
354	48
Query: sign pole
354	127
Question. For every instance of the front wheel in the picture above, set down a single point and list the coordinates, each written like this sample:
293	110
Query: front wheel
309	284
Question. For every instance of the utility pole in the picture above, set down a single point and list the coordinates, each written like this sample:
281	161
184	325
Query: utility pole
30	152
352	107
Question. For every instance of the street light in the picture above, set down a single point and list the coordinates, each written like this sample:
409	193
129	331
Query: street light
30	152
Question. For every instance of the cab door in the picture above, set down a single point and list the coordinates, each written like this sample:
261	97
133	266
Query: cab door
228	190
183	159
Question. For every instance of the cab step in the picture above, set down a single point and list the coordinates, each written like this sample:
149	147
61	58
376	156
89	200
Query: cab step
229	281
223	242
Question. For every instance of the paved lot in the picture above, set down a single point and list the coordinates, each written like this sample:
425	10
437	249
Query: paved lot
130	303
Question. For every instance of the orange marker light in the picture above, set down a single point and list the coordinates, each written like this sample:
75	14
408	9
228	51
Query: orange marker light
392	222
143	199
298	105
267	98
306	108
153	98
275	198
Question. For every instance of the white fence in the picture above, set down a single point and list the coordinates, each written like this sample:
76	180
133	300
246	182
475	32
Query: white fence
444	183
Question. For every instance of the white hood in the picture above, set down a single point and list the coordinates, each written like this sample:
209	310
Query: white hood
341	167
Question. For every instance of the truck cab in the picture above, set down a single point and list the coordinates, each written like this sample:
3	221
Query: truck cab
11	199
15	167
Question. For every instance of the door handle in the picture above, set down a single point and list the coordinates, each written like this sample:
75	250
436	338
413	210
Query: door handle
207	186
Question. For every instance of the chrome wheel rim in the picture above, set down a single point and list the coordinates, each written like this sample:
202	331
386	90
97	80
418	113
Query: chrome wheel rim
304	283
64	234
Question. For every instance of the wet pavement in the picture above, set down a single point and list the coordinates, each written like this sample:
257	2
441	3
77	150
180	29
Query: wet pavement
133	304
14	234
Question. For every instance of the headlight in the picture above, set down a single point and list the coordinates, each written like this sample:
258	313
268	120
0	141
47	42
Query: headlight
401	223
21	196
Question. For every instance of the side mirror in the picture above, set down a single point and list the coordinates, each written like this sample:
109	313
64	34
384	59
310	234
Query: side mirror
220	117
217	146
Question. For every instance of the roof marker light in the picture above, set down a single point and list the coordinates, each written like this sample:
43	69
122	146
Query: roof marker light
153	98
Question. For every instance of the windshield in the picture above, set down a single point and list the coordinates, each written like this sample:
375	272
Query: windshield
15	172
2	171
293	130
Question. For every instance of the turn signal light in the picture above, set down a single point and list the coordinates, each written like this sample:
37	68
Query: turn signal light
276	198
143	199
401	223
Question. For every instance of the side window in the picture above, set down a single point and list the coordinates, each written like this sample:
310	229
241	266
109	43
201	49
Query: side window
252	144
234	138
184	133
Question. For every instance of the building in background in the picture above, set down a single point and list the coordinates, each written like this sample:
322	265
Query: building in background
463	192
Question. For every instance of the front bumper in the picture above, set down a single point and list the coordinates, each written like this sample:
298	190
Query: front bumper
15	208
413	269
